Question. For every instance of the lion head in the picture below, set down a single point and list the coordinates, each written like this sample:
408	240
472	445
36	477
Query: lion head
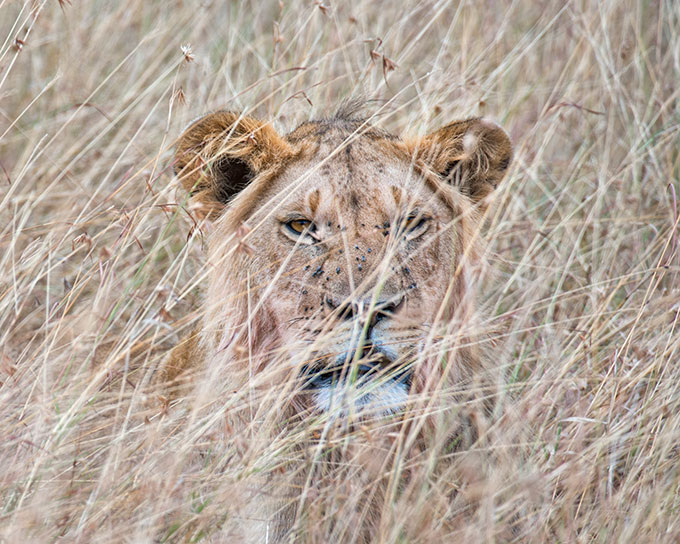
341	279
341	254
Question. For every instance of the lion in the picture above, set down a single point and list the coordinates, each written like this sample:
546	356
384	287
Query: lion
342	264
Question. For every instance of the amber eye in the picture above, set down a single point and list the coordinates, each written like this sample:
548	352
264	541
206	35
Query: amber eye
298	226
414	222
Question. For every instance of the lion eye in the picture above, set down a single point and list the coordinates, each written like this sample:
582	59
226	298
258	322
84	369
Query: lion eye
298	226
415	222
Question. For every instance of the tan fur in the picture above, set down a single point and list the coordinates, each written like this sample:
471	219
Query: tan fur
274	302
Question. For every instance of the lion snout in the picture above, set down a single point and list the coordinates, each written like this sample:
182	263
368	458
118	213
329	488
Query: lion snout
365	308
356	367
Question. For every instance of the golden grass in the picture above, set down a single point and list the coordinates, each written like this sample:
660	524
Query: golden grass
100	267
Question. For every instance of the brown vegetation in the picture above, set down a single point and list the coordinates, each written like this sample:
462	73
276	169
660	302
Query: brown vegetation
102	263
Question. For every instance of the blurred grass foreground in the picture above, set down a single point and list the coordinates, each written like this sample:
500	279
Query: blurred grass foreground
101	265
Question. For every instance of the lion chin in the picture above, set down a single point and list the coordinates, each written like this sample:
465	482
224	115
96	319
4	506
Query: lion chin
336	231
349	400
364	390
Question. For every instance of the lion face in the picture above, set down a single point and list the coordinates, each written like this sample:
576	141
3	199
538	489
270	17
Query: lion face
340	252
359	232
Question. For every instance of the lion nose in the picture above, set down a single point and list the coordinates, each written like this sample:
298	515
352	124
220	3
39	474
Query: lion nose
363	310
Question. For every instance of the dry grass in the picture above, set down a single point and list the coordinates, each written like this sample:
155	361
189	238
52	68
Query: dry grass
101	267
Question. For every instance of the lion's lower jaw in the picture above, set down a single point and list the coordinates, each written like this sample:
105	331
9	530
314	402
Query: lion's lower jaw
345	400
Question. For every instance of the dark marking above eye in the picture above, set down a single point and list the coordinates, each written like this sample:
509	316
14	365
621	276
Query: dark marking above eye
353	200
503	165
314	201
396	194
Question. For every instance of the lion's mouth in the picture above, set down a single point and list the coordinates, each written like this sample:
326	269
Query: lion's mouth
374	384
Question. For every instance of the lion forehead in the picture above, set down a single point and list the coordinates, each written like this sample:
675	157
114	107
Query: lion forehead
335	176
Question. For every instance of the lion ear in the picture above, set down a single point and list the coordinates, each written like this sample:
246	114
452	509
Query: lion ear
220	154
473	155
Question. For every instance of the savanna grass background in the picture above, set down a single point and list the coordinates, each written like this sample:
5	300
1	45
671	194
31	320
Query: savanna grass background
101	265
